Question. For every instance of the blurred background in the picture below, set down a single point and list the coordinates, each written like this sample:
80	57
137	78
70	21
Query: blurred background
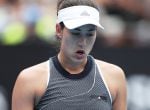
27	37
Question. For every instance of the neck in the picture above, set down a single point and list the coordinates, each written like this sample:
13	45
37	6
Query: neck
71	66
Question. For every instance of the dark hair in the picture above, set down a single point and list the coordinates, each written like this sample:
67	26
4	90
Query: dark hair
68	3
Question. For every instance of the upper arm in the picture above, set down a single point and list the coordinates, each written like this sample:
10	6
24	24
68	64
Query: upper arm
120	102
23	93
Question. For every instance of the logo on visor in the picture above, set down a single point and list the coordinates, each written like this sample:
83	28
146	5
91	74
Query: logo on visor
84	13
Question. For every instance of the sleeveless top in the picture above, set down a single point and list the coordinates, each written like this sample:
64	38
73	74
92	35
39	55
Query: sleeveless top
84	91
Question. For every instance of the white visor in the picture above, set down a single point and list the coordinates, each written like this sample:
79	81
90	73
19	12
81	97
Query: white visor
77	16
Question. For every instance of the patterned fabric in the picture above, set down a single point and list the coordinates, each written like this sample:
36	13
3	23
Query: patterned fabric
84	92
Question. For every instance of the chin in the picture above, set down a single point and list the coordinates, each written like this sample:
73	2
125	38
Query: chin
80	58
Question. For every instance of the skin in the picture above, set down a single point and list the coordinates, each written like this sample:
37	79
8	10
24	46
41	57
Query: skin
82	38
32	82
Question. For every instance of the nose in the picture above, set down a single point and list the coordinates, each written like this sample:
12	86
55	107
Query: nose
82	41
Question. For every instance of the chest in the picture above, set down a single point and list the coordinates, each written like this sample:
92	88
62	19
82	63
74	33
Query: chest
87	93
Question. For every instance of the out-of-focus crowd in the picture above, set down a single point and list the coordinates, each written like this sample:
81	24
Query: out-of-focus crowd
25	21
126	22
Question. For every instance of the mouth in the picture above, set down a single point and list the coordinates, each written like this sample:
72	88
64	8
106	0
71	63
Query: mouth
80	52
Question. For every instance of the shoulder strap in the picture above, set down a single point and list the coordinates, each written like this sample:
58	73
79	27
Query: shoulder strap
48	73
102	76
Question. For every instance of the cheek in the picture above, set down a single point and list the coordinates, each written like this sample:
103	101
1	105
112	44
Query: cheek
91	41
90	44
67	42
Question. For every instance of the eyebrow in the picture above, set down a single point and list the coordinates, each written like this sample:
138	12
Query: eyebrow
78	29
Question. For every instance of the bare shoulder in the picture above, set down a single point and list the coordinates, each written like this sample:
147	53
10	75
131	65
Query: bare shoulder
33	73
116	82
35	76
31	82
111	69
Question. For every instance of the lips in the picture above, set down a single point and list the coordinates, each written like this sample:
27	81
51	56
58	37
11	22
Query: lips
80	54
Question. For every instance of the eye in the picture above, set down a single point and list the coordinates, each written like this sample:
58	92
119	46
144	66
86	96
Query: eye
90	34
75	33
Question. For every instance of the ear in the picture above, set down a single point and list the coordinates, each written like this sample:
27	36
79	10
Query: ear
58	31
